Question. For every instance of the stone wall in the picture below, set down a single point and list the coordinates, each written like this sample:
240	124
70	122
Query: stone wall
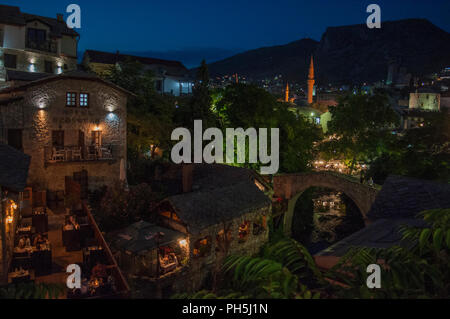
291	186
200	268
34	61
43	110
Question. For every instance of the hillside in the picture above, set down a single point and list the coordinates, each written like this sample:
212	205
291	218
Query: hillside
348	54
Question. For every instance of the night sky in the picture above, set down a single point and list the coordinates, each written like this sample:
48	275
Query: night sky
190	30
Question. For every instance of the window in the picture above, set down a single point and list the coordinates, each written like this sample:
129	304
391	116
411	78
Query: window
96	138
244	231
259	225
202	247
15	138
84	100
10	61
48	67
36	36
158	85
71	99
58	139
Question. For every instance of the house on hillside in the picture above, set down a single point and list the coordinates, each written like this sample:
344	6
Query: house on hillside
171	77
34	44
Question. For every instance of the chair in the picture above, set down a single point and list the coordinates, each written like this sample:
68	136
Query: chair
92	153
76	154
58	155
107	154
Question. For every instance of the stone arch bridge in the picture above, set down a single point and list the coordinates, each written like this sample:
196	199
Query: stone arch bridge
291	187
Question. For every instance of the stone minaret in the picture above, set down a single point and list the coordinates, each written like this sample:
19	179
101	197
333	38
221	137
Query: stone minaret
286	97
311	81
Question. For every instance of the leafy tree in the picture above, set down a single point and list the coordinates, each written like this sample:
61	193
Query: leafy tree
360	128
119	208
422	152
201	102
150	114
245	106
416	269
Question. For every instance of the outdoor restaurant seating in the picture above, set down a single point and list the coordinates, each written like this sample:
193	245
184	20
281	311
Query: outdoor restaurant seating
33	254
40	220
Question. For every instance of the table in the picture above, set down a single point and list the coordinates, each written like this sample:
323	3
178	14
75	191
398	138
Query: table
71	239
92	255
20	277
42	262
40	220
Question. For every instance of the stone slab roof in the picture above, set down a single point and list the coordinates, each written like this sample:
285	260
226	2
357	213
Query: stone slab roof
75	74
13	168
202	209
404	197
384	233
139	238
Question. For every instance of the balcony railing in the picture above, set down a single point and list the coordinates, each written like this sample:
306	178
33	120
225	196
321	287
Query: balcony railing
47	46
77	154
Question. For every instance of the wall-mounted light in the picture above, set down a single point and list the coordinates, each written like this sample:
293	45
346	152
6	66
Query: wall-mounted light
182	243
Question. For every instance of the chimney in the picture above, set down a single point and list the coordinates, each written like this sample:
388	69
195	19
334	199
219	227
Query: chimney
187	176
60	17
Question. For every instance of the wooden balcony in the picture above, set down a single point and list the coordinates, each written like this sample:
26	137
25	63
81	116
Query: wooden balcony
71	154
46	46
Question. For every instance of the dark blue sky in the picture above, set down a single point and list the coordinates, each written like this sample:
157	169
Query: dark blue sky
221	27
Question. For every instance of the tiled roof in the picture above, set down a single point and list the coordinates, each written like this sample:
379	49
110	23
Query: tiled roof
76	74
404	197
13	168
202	209
172	67
57	28
11	15
13	75
140	237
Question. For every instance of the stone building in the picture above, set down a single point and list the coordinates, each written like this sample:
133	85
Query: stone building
220	211
72	125
33	44
171	77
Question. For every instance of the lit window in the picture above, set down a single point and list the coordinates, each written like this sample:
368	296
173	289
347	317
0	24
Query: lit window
84	99
71	99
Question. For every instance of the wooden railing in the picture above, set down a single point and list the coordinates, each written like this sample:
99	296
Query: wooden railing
122	285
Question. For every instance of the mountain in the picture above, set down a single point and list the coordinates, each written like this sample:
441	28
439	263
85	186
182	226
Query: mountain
290	60
190	57
348	54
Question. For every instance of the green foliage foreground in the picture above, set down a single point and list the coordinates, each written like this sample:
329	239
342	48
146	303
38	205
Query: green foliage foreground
419	268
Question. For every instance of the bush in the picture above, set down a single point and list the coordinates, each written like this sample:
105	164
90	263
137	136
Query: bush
120	207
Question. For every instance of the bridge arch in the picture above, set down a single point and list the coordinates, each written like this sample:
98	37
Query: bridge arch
292	186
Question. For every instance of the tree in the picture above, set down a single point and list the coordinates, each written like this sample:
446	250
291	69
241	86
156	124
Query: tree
417	269
360	128
150	114
422	152
200	104
242	105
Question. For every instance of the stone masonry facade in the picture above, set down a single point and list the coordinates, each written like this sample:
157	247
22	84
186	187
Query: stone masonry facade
42	110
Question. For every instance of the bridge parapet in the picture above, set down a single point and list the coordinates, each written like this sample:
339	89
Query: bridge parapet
291	186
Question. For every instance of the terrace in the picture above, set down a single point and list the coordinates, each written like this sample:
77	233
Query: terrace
48	241
68	154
